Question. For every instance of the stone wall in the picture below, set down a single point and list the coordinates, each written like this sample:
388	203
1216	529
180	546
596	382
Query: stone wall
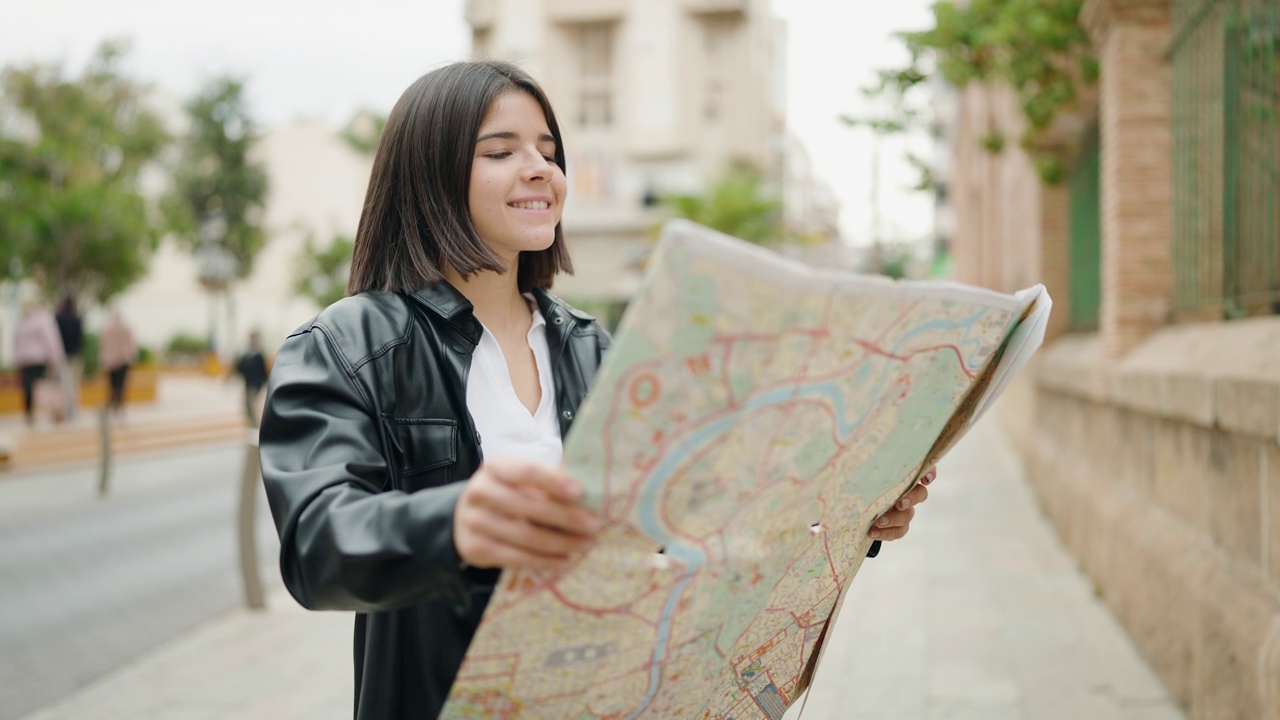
1162	474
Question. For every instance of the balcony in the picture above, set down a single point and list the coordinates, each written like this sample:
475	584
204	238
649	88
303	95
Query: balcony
480	13
585	11
709	7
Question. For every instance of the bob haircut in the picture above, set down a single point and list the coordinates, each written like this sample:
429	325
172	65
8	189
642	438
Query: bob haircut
416	219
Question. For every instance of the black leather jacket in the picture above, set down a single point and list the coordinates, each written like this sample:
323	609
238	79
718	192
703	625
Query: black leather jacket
364	443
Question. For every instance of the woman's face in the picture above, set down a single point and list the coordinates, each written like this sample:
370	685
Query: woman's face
517	190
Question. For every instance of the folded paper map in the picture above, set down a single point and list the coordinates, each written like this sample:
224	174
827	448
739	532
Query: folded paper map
753	418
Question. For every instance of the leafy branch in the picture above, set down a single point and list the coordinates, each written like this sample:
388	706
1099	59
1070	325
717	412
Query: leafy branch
1037	47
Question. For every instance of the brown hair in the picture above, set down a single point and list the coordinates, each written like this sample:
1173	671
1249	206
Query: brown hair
415	220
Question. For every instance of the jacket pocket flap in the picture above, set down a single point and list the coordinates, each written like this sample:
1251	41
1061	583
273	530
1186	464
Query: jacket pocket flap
425	443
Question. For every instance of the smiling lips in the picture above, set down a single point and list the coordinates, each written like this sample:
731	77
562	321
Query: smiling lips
530	205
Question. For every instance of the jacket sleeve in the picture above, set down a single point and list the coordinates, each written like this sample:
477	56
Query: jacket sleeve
347	541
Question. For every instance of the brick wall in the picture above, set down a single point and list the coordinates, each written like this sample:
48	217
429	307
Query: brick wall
1011	230
1162	475
1137	190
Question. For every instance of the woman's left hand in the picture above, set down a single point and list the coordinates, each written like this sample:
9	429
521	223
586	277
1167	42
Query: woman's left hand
895	523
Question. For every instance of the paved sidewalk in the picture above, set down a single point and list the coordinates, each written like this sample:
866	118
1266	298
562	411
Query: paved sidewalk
189	409
979	613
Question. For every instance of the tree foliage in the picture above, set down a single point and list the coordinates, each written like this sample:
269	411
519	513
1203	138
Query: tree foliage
72	151
737	204
1037	47
323	271
364	131
215	178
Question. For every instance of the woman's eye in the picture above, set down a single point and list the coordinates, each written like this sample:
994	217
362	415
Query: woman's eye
550	158
498	155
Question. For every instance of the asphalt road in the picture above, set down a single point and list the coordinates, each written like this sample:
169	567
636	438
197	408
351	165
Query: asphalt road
90	583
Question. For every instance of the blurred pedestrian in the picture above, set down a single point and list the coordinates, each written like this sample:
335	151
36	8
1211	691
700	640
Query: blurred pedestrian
38	353
118	352
71	330
252	368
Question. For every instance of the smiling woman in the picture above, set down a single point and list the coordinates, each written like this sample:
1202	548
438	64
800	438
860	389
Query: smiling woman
371	451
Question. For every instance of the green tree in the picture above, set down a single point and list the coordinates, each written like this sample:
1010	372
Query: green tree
215	205
737	204
323	272
1036	47
72	150
218	192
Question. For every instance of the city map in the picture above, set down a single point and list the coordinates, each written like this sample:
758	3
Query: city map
751	421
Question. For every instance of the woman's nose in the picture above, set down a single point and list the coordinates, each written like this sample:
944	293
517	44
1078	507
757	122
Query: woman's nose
537	168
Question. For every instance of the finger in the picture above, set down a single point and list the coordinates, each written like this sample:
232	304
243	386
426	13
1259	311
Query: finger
929	476
895	518
520	472
534	506
914	496
889	534
489	553
530	538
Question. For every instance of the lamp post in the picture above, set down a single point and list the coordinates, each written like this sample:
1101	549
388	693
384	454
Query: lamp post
215	264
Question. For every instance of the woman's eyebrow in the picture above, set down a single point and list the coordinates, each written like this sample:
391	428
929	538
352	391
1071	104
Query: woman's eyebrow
508	135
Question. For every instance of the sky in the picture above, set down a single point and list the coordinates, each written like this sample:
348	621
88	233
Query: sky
324	59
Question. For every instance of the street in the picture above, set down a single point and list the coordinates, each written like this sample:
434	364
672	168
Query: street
88	584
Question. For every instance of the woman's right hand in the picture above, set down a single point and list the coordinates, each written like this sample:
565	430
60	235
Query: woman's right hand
520	514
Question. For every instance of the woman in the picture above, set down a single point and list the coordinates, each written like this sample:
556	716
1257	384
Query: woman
117	351
38	353
411	438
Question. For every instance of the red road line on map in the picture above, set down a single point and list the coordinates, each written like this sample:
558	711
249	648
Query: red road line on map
875	350
902	314
724	372
758	337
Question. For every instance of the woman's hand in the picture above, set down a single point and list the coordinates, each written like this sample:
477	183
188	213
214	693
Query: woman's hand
520	514
895	523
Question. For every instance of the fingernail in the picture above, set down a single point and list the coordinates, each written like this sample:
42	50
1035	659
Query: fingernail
875	534
904	503
882	522
573	490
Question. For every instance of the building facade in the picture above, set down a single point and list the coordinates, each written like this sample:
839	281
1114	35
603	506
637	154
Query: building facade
1150	424
652	98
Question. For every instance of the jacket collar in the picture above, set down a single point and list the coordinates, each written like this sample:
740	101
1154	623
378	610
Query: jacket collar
445	301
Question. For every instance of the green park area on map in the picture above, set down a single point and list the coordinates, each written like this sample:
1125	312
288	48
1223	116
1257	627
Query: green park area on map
752	419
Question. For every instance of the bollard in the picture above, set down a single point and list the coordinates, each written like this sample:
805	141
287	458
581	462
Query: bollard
250	478
104	438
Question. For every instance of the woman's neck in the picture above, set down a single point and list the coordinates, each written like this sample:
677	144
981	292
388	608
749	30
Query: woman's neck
495	296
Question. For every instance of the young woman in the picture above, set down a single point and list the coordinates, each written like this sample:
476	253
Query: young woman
411	439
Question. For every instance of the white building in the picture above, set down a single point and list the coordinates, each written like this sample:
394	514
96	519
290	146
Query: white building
653	97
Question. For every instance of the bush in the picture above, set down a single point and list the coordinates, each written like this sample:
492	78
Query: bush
90	353
184	347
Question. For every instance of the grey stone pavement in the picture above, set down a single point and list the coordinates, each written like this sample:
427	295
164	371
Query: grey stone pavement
978	613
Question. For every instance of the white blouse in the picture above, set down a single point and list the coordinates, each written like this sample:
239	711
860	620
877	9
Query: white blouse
506	428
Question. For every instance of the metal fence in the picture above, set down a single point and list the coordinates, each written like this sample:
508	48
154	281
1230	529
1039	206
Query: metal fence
1086	234
1225	58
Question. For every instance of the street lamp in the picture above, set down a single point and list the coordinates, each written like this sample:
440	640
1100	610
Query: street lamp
216	266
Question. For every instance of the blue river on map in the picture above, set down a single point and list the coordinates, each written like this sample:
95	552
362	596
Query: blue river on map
694	558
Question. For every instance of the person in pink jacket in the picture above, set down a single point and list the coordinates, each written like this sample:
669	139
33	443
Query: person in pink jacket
117	350
37	351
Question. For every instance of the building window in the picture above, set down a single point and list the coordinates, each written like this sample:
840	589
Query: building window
593	43
717	37
480	43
